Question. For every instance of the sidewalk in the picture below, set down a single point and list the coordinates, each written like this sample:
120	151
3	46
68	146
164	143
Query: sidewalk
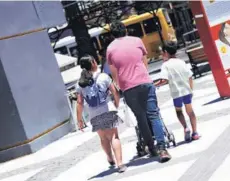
78	156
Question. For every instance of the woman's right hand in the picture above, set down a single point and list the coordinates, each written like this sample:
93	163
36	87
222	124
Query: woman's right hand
80	125
80	104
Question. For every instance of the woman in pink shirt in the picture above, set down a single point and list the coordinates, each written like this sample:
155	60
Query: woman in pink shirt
127	58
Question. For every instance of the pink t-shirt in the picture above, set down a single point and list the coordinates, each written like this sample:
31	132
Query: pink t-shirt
126	54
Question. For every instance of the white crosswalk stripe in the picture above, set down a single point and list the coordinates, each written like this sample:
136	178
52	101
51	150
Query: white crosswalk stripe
23	176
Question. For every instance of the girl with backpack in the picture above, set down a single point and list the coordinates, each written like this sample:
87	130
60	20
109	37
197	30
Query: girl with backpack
93	87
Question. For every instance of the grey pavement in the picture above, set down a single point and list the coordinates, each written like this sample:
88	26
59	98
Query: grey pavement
204	162
54	167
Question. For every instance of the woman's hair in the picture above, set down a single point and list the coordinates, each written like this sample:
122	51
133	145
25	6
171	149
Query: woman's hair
86	78
222	35
118	29
86	62
102	53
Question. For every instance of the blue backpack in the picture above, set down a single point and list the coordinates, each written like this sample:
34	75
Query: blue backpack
94	95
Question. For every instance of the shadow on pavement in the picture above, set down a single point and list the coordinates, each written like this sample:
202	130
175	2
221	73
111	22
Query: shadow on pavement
216	100
183	143
135	161
104	174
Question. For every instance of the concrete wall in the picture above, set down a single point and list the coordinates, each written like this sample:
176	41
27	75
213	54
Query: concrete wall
9	116
35	81
22	16
32	92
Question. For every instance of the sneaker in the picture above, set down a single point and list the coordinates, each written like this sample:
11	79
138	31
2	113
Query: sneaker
187	135
195	136
164	156
122	168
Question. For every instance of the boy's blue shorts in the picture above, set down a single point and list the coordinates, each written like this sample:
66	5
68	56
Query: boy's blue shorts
178	102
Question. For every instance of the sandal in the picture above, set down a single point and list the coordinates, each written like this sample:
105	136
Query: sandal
195	136
112	163
122	168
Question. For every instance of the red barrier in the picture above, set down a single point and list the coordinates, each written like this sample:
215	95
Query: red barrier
210	37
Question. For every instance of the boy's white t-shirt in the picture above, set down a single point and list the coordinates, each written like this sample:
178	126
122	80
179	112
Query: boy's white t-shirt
177	73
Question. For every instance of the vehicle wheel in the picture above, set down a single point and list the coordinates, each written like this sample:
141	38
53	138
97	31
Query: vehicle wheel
174	143
172	139
141	153
138	147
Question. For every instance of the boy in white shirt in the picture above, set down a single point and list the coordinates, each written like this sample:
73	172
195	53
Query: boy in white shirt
179	77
